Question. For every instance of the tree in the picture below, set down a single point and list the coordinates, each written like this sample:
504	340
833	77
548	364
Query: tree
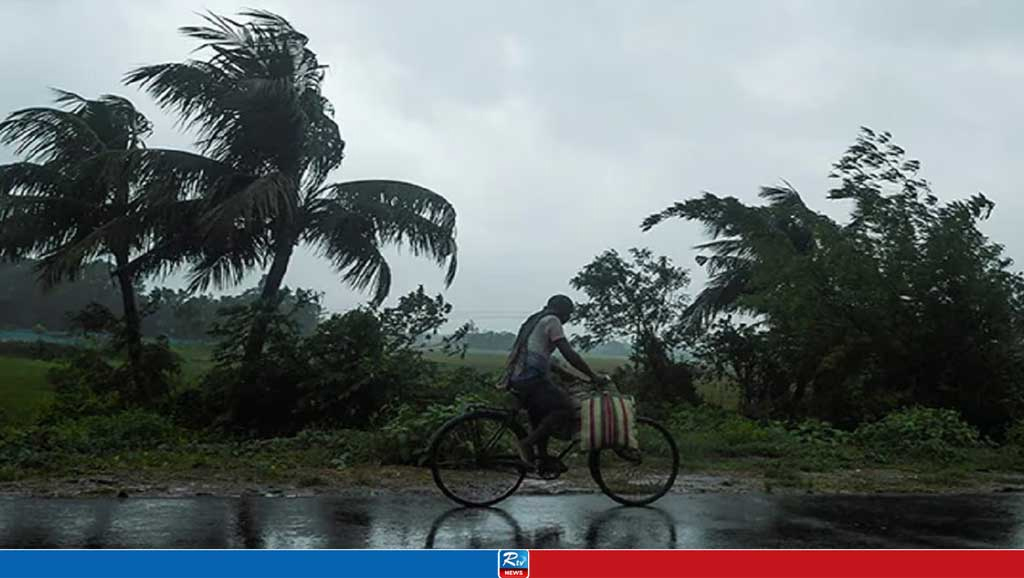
743	239
906	303
641	300
342	374
256	103
89	188
746	354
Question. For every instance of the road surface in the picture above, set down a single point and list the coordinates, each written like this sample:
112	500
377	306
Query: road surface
565	521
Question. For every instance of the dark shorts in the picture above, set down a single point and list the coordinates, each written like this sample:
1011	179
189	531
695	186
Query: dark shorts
542	397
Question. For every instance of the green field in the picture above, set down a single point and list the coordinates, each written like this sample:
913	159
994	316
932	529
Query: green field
24	391
495	360
196	359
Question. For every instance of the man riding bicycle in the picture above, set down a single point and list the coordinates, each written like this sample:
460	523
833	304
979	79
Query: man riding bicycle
528	376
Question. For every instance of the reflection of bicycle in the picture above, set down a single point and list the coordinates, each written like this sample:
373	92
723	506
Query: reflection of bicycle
618	528
627	528
479	527
475	460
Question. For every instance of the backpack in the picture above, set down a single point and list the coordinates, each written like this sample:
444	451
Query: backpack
607	420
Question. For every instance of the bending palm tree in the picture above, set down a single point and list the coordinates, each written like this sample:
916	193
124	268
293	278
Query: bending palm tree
257	107
89	188
743	239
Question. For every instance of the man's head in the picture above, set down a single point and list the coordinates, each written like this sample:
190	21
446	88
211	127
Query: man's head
562	307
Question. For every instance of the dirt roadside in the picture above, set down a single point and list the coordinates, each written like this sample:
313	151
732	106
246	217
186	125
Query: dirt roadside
372	480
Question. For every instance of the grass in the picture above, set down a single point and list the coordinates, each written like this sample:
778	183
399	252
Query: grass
234	466
196	359
24	391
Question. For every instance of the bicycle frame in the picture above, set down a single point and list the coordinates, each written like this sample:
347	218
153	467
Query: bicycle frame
512	415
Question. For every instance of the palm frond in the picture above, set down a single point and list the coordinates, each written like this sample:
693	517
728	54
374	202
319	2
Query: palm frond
270	198
32	179
351	242
720	295
405	215
224	260
45	135
178	174
193	89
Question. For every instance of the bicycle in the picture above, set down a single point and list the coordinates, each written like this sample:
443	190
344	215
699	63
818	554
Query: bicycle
475	461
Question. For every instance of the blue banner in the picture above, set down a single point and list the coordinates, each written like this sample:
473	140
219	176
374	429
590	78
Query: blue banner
249	563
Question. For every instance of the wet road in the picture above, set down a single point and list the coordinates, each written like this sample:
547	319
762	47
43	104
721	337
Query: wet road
568	521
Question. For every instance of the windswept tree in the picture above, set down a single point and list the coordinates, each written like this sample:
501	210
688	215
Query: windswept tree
907	302
88	188
256	105
743	239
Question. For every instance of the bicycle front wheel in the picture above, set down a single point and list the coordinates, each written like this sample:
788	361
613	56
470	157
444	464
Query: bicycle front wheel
638	477
475	458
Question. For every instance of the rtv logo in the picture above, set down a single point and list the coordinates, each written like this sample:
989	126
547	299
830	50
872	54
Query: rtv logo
513	563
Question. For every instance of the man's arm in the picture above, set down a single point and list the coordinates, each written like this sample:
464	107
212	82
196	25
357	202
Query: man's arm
564	370
574	359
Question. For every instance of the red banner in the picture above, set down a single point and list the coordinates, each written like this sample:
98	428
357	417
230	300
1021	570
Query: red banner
776	563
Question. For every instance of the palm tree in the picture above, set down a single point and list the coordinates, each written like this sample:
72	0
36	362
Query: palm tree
88	188
743	238
256	105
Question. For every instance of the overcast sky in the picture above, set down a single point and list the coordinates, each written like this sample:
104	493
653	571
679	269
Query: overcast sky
556	127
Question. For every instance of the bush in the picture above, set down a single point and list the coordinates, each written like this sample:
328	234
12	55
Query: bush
447	382
86	384
343	375
128	430
819	433
1015	434
927	432
338	448
90	382
193	405
406	434
728	433
353	371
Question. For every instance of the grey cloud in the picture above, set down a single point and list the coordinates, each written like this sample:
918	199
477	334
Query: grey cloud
556	127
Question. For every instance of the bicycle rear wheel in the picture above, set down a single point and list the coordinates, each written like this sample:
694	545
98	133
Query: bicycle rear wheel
475	459
638	477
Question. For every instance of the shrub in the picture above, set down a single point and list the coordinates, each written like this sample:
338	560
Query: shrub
353	373
447	382
193	405
346	446
127	430
928	432
341	376
1015	434
406	435
338	448
819	433
728	433
91	382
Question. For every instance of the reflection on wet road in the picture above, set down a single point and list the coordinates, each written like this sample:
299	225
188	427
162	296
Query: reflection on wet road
568	521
